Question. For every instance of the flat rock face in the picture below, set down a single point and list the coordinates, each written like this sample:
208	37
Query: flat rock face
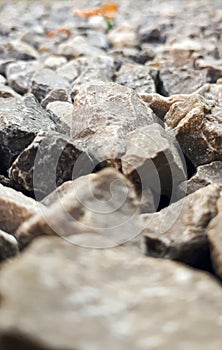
99	211
215	239
47	162
123	301
179	232
205	175
104	114
152	160
198	129
20	120
15	208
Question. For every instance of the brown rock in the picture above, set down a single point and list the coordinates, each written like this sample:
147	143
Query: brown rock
179	232
15	208
63	297
104	205
197	126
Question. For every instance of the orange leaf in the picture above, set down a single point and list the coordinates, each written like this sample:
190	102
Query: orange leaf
109	10
53	33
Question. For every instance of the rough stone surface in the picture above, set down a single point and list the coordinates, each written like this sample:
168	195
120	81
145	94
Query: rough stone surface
123	301
20	120
198	129
47	162
56	95
8	246
63	111
153	160
179	232
15	208
101	210
104	114
205	175
6	92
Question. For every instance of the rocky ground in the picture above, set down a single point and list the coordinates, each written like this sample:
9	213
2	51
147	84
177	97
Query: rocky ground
110	175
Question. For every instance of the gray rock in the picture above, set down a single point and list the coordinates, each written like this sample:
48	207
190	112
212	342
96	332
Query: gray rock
105	299
19	75
197	125
19	50
99	211
2	79
44	81
153	160
104	114
78	46
206	174
3	65
15	208
179	232
20	120
54	62
56	95
69	71
212	67
137	78
8	246
47	162
215	239
123	36
63	112
6	92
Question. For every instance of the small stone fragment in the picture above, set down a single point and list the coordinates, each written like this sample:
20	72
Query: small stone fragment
179	232
123	36
56	95
78	46
19	50
54	62
6	92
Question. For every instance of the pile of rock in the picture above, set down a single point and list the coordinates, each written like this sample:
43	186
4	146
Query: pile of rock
110	137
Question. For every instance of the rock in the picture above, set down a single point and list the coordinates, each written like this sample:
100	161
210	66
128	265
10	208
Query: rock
100	211
123	36
206	174
211	92
105	297
69	71
181	80
3	65
62	110
19	75
215	239
47	162
8	246
19	50
54	62
196	123
179	232
6	92
2	80
15	208
76	47
213	68
152	34
152	160
56	95
44	81
20	120
104	114
137	78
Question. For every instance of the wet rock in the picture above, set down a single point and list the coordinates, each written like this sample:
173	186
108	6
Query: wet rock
20	120
104	114
99	290
78	46
136	77
153	160
63	111
215	238
19	75
123	36
7	92
44	81
54	62
47	162
8	246
56	95
206	174
15	208
181	80
104	206
179	232
196	123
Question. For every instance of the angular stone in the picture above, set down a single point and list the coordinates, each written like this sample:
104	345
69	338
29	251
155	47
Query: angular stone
97	297
6	92
104	114
62	110
179	232
100	211
8	246
45	80
197	125
54	62
20	120
47	162
69	71
123	36
215	239
153	160
15	208
136	77
19	50
78	46
56	95
2	79
180	80
206	174
211	92
19	75
212	67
